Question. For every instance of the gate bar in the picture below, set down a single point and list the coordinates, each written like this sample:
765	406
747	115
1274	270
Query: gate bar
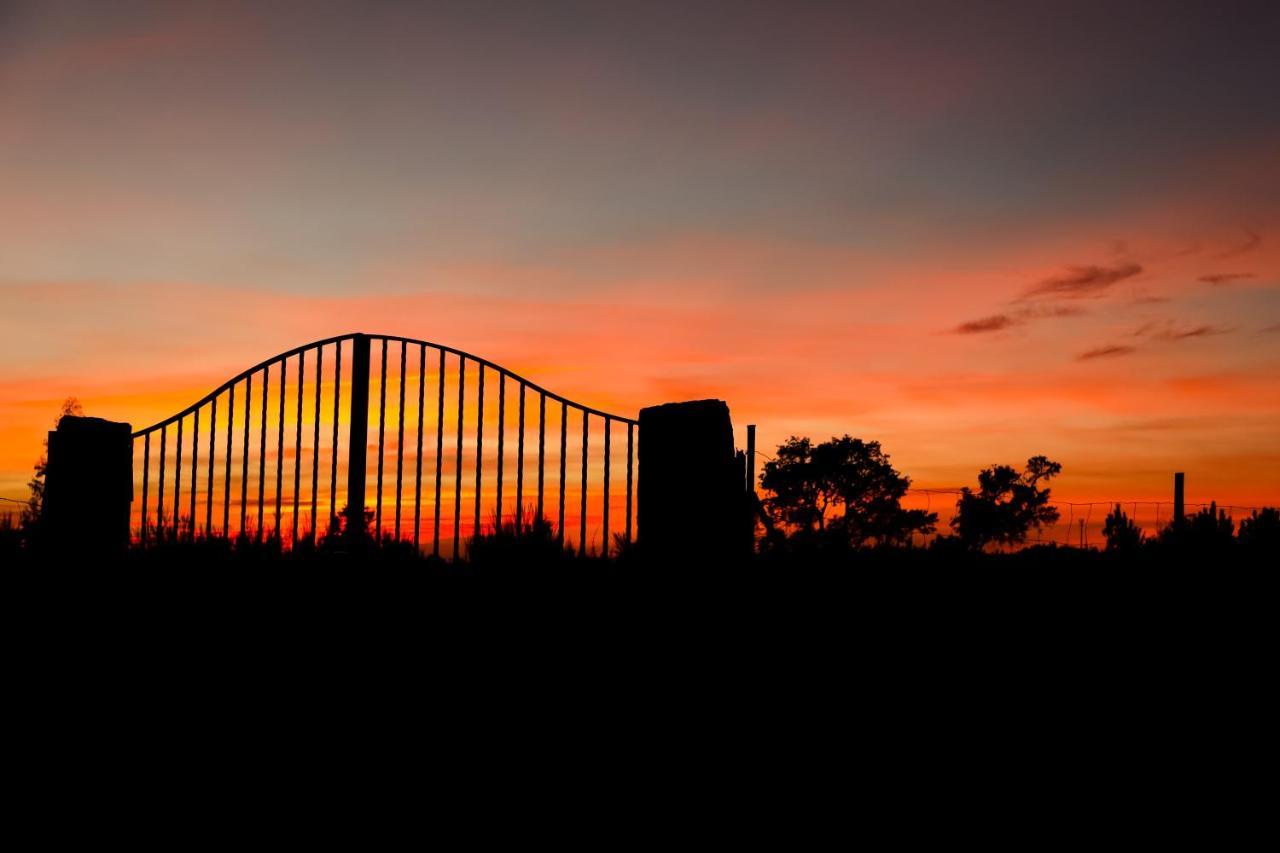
358	433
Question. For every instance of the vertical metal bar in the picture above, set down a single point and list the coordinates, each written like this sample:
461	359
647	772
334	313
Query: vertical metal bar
226	479
631	428
315	442
604	519
502	434
262	449
195	467
417	489
297	445
358	433
564	443
435	536
146	476
457	476
479	446
382	430
333	450
542	448
177	483
160	485
244	452
284	379
208	504
582	517
400	444
520	464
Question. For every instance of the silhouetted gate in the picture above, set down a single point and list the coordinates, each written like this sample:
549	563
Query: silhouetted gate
284	421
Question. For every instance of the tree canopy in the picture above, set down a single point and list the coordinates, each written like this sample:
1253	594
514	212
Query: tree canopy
1007	504
844	489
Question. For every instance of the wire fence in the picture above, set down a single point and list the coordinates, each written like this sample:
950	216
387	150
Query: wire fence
1080	523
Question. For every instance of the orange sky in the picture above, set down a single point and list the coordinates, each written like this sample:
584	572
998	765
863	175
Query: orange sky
972	253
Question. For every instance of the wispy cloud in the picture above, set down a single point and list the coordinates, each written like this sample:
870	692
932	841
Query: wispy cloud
1221	278
994	323
1266	330
1082	282
1172	331
1251	241
1106	352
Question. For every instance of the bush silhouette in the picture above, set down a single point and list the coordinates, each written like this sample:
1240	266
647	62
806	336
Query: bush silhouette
1122	534
1260	532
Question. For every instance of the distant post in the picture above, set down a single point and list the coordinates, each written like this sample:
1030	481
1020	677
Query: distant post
88	485
751	458
1179	507
692	505
358	443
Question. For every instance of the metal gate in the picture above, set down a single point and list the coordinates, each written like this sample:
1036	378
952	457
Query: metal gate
282	448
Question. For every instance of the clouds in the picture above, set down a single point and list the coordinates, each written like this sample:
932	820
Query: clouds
1111	351
1252	240
1082	282
994	323
1171	331
1222	278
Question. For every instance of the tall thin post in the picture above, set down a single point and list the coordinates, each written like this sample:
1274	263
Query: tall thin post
502	436
358	439
631	453
542	448
457	473
435	534
262	449
195	468
382	431
244	452
751	457
177	483
146	476
400	443
226	474
160	484
520	462
297	445
315	442
333	450
479	444
582	515
564	444
284	379
208	504
417	489
604	519
1179	507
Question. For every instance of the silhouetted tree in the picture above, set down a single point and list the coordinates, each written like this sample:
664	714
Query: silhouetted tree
1007	505
1123	536
1260	532
31	513
844	487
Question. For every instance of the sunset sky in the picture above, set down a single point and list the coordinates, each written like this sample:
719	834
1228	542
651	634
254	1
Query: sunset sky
974	232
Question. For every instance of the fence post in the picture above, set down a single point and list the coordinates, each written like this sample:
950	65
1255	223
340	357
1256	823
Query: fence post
358	443
88	485
692	505
1179	507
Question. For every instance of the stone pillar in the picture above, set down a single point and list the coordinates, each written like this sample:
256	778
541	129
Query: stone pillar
88	485
692	504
